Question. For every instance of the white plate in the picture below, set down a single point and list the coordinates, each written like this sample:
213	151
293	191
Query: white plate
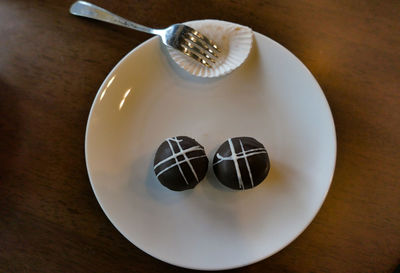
271	97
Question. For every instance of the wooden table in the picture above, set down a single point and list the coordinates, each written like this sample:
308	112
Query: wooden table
52	63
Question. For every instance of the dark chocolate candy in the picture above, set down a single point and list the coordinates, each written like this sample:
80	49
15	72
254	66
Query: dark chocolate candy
241	163
180	163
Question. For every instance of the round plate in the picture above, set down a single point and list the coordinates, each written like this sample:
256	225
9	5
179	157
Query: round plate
271	97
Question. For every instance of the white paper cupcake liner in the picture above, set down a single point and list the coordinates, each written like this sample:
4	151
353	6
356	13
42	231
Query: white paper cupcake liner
234	41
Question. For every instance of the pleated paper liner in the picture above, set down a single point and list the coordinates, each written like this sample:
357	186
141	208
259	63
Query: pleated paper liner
234	41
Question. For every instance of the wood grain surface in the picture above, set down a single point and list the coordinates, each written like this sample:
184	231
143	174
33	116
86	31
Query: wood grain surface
52	63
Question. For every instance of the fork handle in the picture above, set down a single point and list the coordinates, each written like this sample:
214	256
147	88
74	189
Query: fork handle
89	10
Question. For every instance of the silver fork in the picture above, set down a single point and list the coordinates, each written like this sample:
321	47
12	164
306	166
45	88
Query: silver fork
179	36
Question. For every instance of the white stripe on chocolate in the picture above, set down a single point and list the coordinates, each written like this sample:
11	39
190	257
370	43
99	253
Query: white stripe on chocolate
186	158
247	163
191	149
174	156
240	155
179	162
236	163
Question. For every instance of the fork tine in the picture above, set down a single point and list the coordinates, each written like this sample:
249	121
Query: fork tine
202	52
202	43
187	51
205	39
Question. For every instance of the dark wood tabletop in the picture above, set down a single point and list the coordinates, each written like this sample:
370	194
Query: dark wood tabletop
52	64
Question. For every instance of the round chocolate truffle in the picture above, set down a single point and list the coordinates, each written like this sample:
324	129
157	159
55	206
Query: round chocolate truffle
180	163
241	163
